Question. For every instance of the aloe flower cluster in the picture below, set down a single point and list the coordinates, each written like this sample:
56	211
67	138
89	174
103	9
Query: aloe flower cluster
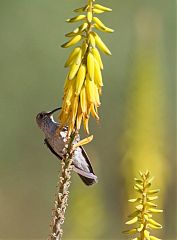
142	217
84	82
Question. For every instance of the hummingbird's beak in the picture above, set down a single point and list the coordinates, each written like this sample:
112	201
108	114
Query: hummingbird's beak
51	112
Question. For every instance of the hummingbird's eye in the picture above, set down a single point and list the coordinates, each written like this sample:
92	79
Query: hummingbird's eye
41	115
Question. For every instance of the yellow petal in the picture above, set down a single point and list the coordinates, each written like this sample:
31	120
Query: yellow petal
104	29
72	56
93	111
79	117
96	54
83	100
89	89
154	210
151	221
97	74
98	11
97	97
154	238
92	40
146	234
74	109
76	19
73	71
81	9
89	16
85	121
90	65
101	44
134	220
131	231
80	78
72	41
103	8
83	142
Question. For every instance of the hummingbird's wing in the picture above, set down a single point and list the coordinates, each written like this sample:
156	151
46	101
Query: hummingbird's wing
51	149
87	176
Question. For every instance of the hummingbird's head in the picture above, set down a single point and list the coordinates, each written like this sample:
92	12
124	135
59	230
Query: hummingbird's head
43	118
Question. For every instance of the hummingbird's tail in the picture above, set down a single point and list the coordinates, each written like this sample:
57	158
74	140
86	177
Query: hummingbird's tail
87	178
87	181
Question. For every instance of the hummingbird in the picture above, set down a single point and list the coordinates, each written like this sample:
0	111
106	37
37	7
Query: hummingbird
56	144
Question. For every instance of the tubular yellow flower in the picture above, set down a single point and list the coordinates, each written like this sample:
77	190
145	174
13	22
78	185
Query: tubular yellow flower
142	217
83	85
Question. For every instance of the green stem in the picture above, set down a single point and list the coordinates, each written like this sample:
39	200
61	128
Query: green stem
58	214
144	200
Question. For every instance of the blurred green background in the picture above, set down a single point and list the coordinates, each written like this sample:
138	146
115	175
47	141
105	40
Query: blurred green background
136	131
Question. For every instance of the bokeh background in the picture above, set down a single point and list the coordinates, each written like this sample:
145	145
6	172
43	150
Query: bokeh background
136	131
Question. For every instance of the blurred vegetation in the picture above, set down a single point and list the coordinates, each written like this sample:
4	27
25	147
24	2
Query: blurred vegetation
136	131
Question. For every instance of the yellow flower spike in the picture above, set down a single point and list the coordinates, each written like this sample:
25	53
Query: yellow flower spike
76	19
90	65
80	78
103	8
101	44
83	100
84	82
97	56
72	41
97	74
72	56
83	142
142	218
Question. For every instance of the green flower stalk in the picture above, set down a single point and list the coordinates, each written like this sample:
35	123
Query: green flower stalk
84	82
82	91
142	217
